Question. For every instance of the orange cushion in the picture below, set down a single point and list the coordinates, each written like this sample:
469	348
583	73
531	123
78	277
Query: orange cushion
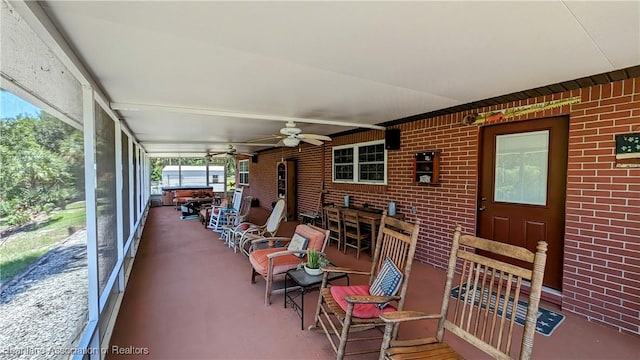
184	193
316	237
364	311
281	264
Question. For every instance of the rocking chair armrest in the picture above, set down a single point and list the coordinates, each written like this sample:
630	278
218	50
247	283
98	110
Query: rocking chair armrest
339	269
288	252
253	228
369	299
267	239
220	207
407	315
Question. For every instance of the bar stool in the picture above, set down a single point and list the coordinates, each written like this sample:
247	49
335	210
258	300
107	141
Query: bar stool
351	226
334	225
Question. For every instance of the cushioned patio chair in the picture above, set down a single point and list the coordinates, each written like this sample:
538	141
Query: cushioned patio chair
272	263
478	318
345	310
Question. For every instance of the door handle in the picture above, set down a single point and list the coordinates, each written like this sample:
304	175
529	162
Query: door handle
482	208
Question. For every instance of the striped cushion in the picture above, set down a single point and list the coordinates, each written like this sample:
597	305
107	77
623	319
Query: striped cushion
298	242
387	282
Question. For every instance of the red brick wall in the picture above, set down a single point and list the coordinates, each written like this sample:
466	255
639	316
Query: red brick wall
602	236
601	277
309	172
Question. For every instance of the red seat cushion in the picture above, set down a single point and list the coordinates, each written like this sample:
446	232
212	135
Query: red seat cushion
281	264
364	311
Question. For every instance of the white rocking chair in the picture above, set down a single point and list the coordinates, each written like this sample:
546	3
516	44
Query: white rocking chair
219	214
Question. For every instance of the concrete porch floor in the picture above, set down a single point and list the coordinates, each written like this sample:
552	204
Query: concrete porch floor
190	297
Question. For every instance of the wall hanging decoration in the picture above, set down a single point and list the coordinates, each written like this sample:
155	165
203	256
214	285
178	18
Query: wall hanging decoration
628	150
497	115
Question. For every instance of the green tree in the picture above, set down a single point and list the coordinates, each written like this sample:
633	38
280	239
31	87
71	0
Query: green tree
41	163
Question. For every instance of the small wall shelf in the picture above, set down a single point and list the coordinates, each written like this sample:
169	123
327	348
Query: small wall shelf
426	167
286	186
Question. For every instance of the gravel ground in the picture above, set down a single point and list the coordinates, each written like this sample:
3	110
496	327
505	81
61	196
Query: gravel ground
43	311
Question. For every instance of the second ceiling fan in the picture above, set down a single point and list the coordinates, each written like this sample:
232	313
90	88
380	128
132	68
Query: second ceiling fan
292	135
231	151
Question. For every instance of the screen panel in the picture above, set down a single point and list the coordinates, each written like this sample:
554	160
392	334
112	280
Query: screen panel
106	196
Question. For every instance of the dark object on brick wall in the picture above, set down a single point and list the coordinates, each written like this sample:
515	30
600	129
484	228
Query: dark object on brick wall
392	139
254	158
255	202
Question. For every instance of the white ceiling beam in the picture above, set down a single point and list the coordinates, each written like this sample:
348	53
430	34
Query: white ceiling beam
122	106
173	142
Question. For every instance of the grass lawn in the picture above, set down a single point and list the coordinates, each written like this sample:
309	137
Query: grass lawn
26	247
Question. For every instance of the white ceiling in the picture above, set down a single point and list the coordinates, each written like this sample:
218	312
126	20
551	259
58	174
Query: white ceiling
359	62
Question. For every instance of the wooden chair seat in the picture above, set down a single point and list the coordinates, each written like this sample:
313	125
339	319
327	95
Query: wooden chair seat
433	351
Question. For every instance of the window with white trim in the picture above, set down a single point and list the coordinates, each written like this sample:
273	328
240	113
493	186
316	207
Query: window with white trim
362	163
243	172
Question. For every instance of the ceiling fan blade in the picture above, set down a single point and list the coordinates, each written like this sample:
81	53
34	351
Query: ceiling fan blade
265	138
314	136
311	141
280	143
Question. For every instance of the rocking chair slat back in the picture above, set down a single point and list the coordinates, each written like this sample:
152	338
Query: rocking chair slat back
489	295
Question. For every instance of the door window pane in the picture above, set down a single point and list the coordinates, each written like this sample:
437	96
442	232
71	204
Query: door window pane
521	168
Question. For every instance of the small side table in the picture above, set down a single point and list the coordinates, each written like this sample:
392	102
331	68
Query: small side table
304	283
311	218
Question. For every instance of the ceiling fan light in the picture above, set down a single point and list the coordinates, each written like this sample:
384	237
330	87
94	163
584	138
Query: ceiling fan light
290	141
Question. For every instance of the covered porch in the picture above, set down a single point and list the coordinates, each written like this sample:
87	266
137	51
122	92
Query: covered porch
189	296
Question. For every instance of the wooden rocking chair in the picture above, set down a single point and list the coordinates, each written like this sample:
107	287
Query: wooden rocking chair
481	316
343	310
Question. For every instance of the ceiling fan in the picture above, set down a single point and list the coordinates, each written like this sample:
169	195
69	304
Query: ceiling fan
292	135
231	151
